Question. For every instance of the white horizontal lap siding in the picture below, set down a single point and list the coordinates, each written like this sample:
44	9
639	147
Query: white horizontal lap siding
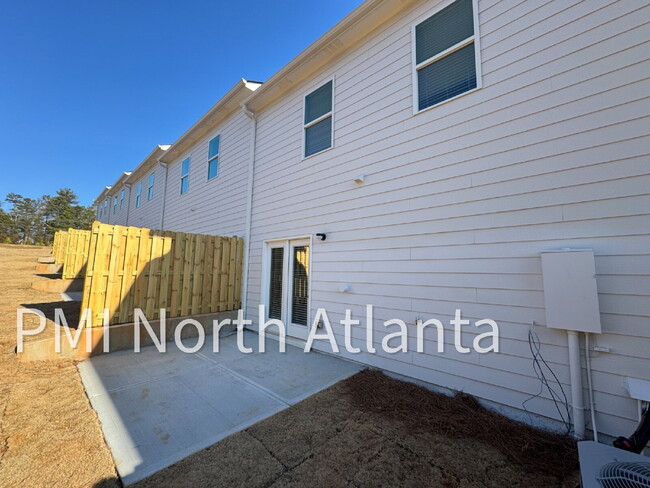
218	206
120	216
460	200
147	215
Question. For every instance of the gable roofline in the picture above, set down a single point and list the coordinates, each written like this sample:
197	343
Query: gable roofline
345	35
226	106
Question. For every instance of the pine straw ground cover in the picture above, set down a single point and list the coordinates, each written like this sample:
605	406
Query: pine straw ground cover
373	431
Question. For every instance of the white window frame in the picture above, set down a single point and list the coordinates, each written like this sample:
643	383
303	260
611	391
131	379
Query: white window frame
151	182
319	119
210	159
417	67
187	175
138	196
293	331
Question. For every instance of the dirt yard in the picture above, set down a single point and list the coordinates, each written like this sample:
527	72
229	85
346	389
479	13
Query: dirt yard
367	431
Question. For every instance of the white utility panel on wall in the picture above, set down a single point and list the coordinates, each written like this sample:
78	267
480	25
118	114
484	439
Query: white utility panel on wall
570	294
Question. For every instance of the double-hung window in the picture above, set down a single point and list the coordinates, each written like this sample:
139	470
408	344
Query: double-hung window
318	120
114	204
121	199
213	158
185	176
152	177
138	196
446	55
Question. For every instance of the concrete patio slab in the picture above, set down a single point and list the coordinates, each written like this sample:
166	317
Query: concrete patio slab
157	408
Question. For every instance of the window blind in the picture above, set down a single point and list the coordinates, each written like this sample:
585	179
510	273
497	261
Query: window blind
275	284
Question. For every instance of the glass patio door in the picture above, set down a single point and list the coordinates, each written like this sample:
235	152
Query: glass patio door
288	285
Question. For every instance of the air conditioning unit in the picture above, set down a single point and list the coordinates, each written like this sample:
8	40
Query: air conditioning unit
603	466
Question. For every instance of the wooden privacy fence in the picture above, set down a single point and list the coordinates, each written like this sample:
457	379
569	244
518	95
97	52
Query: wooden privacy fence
59	245
186	274
75	253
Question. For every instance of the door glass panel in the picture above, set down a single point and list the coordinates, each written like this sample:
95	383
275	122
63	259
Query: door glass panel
300	288
275	286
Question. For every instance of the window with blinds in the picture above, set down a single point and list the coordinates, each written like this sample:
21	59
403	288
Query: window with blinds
445	54
300	288
213	157
318	120
275	283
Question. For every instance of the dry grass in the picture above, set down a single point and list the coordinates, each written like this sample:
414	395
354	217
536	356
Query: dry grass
49	435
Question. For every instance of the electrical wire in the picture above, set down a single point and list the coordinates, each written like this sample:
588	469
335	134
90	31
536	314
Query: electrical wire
539	365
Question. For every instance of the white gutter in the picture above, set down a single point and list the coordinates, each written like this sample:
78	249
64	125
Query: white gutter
165	166
249	205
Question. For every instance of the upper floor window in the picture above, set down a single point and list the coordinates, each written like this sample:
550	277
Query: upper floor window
318	120
115	204
152	177
446	55
213	158
122	199
185	176
138	196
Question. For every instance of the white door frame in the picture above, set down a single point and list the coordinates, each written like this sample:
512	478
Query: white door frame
293	330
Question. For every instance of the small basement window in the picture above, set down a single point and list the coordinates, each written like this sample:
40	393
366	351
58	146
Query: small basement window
152	177
318	127
185	176
213	158
138	196
446	55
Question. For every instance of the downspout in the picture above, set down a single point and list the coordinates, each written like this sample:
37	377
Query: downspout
249	205
165	166
575	372
128	204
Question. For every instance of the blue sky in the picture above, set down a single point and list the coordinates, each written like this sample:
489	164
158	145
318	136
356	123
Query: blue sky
87	89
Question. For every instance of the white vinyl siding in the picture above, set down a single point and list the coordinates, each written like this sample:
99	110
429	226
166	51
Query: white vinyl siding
217	209
213	157
459	201
446	58
318	120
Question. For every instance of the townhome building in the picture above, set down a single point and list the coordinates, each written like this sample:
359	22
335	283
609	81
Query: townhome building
419	159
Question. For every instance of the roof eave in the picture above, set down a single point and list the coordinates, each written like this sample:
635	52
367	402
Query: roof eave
339	39
227	105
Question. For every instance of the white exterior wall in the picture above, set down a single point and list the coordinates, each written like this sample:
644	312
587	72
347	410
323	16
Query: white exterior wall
119	217
460	200
218	206
149	212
